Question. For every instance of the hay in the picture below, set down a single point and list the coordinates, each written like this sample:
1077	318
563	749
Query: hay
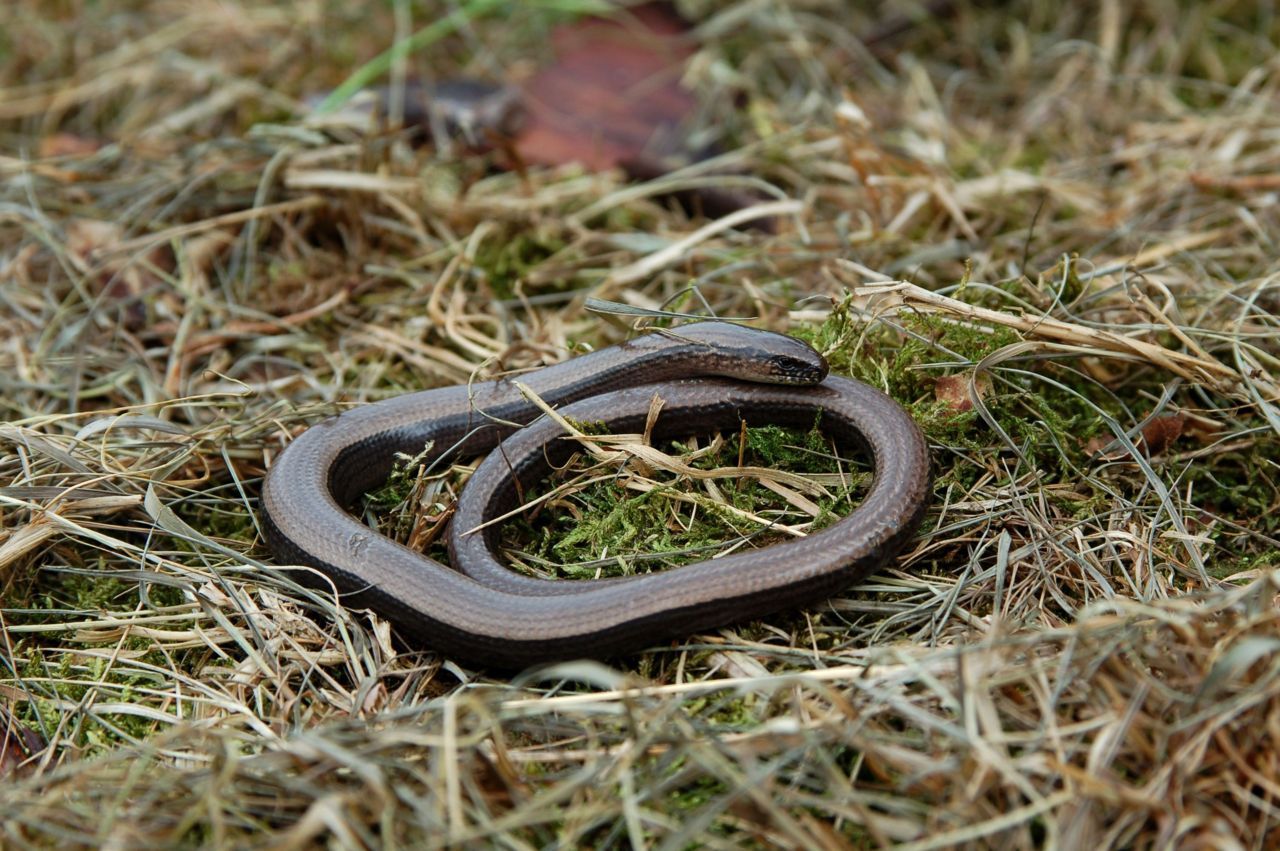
1051	234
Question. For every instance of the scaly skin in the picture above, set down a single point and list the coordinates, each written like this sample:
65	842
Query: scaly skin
484	614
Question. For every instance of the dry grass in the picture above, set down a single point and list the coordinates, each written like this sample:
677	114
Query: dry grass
1069	215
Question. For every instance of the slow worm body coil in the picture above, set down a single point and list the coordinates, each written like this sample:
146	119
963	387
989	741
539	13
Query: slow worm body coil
710	375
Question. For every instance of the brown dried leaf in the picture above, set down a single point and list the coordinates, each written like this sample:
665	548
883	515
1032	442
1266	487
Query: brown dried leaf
94	247
1095	445
613	96
1156	436
67	145
956	391
18	745
1162	431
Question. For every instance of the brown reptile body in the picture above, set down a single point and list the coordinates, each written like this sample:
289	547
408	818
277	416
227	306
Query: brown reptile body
483	613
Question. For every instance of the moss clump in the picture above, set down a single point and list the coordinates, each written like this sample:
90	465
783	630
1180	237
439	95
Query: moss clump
507	262
626	525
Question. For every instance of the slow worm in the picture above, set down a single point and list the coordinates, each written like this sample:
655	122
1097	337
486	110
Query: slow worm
710	375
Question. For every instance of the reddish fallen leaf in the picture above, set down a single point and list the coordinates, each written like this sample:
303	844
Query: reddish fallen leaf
1094	447
955	391
1156	436
92	245
612	97
67	145
1161	432
18	745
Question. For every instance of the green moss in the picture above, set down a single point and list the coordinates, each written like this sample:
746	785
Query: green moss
409	497
57	679
508	261
89	590
404	477
612	530
1240	486
218	518
698	793
1228	568
93	592
623	527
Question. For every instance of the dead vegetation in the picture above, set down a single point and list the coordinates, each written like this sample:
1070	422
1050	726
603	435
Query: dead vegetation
1050	230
